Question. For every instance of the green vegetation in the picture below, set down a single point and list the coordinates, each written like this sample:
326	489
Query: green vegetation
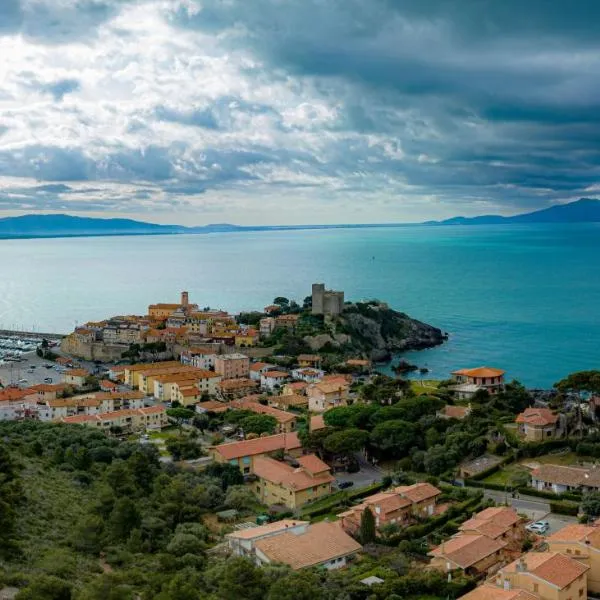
87	517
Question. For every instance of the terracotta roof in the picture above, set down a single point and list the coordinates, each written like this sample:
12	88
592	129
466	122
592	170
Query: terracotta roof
465	549
573	533
313	464
555	568
387	502
76	419
330	387
297	385
322	542
12	394
309	357
455	412
212	406
276	374
338	377
358	362
152	410
263	445
77	372
108	384
418	491
280	415
317	422
287	476
47	387
537	416
262	530
561	475
480	372
289	400
488	591
257	366
492	522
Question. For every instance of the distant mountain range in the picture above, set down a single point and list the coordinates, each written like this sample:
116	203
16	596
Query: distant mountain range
585	210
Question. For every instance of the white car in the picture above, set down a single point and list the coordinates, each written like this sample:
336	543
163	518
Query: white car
538	527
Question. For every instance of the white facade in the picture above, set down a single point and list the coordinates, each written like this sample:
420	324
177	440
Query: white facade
256	374
270	382
308	374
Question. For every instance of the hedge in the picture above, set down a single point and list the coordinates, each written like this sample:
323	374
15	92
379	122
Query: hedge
529	491
532	449
563	507
485	485
325	505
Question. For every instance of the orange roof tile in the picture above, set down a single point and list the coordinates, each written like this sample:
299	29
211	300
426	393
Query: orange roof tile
262	530
280	415
321	543
488	591
561	475
573	533
263	445
537	416
287	476
555	568
77	372
313	464
455	412
276	374
418	491
317	422
480	372
465	550
237	384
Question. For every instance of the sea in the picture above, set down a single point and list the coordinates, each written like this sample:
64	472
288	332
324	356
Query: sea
524	298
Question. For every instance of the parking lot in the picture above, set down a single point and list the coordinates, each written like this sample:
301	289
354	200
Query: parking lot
31	369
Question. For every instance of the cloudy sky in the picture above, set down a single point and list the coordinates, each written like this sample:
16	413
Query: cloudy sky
297	111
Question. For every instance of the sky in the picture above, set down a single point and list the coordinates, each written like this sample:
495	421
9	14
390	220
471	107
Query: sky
297	111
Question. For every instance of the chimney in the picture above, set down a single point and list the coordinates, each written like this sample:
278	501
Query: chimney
184	299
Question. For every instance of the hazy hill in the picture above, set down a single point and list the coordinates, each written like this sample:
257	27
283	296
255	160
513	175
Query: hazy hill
585	210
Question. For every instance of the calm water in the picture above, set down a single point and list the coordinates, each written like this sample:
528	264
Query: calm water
524	298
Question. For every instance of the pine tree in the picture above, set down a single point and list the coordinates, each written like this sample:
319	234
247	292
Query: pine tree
367	531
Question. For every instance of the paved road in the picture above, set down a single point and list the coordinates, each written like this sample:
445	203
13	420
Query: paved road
14	371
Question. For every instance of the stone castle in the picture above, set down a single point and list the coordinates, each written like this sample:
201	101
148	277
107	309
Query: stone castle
326	302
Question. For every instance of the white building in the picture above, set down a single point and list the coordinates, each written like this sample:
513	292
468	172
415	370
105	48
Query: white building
308	374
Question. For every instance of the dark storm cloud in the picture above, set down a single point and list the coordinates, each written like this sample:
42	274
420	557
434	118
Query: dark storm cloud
507	90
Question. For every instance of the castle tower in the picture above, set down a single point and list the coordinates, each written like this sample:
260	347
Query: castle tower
184	299
318	296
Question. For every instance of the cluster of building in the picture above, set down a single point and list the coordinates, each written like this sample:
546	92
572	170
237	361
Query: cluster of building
567	570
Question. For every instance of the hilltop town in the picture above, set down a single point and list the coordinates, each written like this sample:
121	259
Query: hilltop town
221	447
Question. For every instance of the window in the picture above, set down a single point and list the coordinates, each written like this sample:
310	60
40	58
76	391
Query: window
535	587
568	550
578	552
581	592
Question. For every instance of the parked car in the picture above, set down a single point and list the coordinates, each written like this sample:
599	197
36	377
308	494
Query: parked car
22	380
345	484
538	527
47	379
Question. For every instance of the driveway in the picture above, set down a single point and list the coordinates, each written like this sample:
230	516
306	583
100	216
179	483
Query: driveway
367	475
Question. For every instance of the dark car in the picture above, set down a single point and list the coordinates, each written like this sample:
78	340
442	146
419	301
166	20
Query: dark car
345	484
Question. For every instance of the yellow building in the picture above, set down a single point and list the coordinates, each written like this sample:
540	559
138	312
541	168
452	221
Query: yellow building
326	395
581	542
75	377
152	417
131	373
248	338
281	483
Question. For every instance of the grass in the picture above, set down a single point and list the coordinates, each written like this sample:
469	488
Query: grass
425	387
164	434
505	475
568	459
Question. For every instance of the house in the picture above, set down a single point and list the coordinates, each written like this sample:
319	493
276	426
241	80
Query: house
229	389
317	422
558	479
241	542
152	417
537	424
545	575
489	591
325	395
291	486
309	360
288	322
76	377
500	523
272	309
201	358
258	368
470	381
288	402
108	386
320	545
244	453
45	391
453	411
266	327
398	506
473	554
286	422
272	380
294	387
232	366
358	363
213	406
581	542
308	374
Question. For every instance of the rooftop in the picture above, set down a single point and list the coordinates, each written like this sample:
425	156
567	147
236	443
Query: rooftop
488	591
320	543
560	475
261	445
555	568
465	549
418	492
537	417
280	415
480	372
262	530
573	533
289	477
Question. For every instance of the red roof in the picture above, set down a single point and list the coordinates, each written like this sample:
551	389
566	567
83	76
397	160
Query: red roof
263	445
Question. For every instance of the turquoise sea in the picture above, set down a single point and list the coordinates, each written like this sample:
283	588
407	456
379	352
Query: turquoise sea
525	298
